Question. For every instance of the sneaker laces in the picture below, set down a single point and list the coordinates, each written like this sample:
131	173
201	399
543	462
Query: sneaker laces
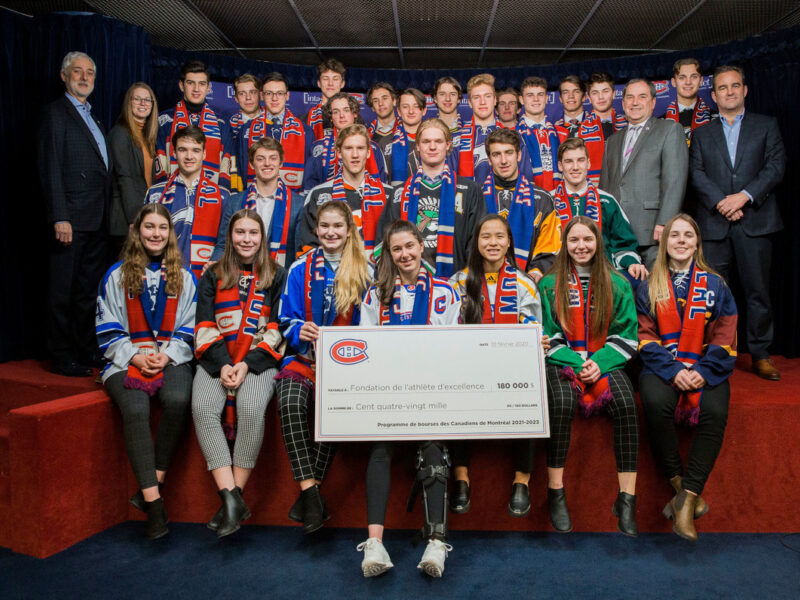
369	543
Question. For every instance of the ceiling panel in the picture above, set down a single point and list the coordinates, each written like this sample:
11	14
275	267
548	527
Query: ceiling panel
443	22
537	24
351	23
256	24
443	59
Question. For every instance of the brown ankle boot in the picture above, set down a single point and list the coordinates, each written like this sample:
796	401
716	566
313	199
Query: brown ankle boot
700	508
683	506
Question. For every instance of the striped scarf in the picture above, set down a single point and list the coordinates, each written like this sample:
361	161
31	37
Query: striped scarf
595	396
373	200
293	141
423	302
151	328
466	160
409	209
235	122
400	148
210	126
683	337
521	215
315	121
700	116
542	143
281	217
331	162
591	131
504	309
205	226
591	208
373	126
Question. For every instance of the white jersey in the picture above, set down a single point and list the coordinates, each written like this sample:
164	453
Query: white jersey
445	305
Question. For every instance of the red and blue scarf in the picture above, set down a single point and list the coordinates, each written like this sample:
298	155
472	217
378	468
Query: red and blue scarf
591	131
539	140
331	163
281	218
683	336
315	121
504	309
423	302
293	141
409	209
521	215
591	208
373	201
213	146
151	328
700	116
400	149
466	160
205	226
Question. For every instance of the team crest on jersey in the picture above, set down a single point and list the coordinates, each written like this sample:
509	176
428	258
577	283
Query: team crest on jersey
323	198
349	352
460	203
164	118
317	150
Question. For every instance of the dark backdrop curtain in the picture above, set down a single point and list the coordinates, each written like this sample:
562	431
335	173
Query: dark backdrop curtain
32	50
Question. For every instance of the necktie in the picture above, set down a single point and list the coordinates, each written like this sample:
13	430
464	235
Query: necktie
633	135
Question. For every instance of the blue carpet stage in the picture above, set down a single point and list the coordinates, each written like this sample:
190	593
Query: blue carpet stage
280	562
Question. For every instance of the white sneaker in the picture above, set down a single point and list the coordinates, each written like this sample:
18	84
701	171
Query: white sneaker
376	559
433	558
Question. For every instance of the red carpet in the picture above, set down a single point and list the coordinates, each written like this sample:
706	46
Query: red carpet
60	446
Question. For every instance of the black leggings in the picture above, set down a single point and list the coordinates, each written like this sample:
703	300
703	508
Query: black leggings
175	396
379	482
523	452
659	400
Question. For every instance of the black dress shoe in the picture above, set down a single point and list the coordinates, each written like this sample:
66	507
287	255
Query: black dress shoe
296	512
520	503
459	499
625	510
234	511
70	369
313	509
559	514
138	501
156	519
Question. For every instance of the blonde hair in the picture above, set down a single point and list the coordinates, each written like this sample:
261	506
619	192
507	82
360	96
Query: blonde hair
147	135
352	277
351	130
135	258
436	123
481	79
659	281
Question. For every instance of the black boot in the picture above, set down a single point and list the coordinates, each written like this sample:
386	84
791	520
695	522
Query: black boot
296	512
138	501
234	511
313	509
559	514
156	519
216	520
625	510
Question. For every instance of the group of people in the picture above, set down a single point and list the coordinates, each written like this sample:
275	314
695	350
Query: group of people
238	240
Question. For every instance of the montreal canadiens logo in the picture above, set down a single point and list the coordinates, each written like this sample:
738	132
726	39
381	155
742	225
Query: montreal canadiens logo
661	87
349	352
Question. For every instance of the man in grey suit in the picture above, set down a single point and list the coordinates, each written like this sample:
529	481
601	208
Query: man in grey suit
645	167
736	162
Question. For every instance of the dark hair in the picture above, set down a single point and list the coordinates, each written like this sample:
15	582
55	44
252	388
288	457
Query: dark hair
267	143
509	90
387	272
533	81
676	68
193	66
273	76
355	107
190	131
447	79
725	69
573	143
417	95
649	83
574	79
472	301
331	64
381	85
600	77
501	135
264	266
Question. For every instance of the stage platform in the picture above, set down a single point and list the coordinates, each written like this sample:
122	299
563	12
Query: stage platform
64	474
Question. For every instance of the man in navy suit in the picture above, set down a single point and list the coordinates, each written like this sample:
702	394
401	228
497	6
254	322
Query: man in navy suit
736	162
75	174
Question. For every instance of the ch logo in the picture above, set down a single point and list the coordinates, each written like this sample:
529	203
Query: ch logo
349	352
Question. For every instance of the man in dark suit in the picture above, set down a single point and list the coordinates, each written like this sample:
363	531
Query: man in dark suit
645	167
74	169
736	162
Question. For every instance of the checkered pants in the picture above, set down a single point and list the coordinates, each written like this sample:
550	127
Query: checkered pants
563	400
308	459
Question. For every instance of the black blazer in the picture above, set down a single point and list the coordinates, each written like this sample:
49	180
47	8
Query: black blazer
73	176
759	165
129	185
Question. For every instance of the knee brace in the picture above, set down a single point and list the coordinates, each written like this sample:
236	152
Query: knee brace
435	526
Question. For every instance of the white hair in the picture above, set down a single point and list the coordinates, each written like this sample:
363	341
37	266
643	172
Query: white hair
70	58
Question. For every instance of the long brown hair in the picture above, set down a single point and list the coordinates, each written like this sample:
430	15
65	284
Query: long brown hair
659	281
602	294
147	135
228	267
135	257
352	276
387	271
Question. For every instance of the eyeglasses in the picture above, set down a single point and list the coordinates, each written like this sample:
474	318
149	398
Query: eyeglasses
140	100
269	94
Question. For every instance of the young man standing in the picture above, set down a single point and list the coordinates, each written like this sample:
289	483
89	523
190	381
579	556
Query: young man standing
382	97
366	194
508	107
472	161
571	92
404	156
538	134
601	122
576	196
447	96
330	82
271	198
194	110
278	122
195	202
323	164
688	108
246	95
527	208
444	207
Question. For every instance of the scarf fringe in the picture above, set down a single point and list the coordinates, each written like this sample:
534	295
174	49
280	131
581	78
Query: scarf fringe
688	417
149	386
295	376
587	410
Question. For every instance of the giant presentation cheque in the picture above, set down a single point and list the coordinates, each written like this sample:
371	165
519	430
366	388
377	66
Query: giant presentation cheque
422	382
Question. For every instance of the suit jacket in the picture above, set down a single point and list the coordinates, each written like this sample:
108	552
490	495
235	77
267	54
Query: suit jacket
129	185
73	176
758	168
650	188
